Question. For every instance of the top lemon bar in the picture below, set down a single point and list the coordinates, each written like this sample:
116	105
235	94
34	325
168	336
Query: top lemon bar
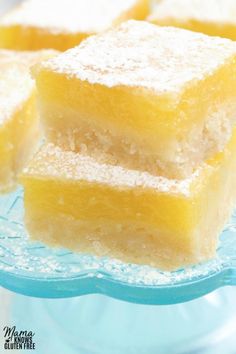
159	99
63	24
212	17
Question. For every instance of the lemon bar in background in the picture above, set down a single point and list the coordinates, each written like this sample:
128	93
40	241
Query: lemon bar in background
212	17
152	98
19	123
38	24
73	201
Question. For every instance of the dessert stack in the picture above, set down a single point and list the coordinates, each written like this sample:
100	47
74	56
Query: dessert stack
140	158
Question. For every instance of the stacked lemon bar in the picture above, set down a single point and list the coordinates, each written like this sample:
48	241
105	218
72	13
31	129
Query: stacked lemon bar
37	24
19	121
212	17
140	160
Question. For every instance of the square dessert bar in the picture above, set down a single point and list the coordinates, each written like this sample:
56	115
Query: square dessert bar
73	201
38	24
152	98
19	123
212	17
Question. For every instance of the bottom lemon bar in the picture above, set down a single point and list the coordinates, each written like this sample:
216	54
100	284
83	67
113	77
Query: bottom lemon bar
75	202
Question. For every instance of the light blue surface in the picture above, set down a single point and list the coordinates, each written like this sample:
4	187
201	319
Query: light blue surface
96	324
35	270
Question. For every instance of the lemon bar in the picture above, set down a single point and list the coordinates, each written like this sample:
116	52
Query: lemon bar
73	201
152	98
212	17
63	24
19	123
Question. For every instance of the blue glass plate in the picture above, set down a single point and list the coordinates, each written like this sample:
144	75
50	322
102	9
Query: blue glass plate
33	269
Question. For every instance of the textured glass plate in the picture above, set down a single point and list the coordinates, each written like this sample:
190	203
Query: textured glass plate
32	269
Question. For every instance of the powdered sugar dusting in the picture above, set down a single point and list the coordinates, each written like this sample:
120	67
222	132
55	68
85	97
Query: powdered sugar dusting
85	16
214	11
51	161
16	84
141	54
